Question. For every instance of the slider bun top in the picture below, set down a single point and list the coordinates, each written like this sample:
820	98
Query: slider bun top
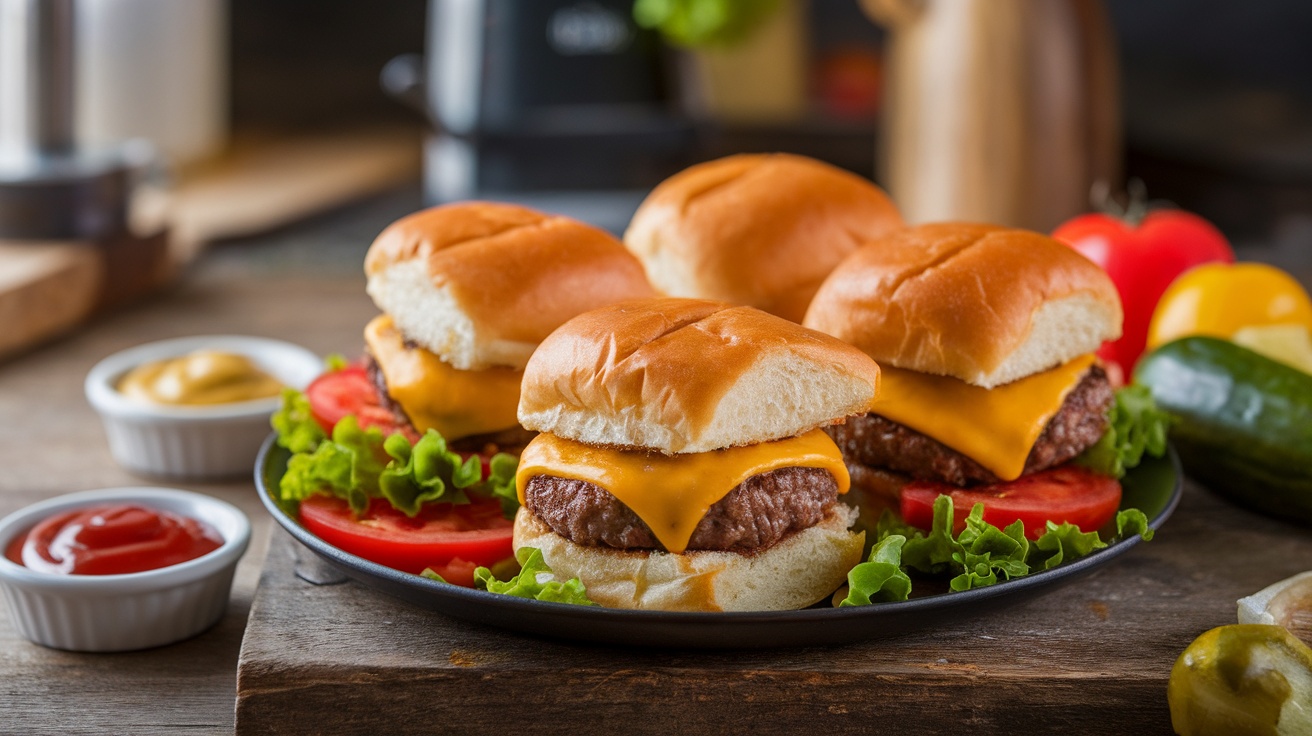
683	375
985	304
481	284
760	230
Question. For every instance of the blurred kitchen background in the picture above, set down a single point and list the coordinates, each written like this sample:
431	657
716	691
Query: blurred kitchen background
1215	96
261	113
572	105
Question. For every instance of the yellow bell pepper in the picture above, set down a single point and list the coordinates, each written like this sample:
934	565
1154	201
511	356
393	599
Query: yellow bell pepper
1242	680
1253	304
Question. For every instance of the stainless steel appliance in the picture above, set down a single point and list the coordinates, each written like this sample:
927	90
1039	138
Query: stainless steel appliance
51	187
81	227
525	98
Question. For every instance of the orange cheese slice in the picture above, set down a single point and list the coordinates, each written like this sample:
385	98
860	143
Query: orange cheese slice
671	493
995	427
438	396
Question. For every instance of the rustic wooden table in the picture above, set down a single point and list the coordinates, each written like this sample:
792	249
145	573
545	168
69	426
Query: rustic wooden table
1102	647
305	285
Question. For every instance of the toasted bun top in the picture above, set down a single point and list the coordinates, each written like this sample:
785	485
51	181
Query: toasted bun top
481	284
683	375
760	230
985	304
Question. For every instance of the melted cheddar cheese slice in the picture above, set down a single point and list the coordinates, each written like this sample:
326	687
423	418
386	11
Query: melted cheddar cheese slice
435	395
671	493
995	427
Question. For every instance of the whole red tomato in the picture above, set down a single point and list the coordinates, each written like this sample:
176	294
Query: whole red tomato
1142	260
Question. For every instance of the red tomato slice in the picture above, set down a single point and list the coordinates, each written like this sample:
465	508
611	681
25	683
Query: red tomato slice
451	539
1065	493
336	394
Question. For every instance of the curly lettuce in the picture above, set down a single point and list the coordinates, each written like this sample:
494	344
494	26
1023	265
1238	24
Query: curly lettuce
1137	426
984	551
500	482
1133	523
359	464
1063	543
534	581
426	472
297	430
980	555
880	578
346	465
974	558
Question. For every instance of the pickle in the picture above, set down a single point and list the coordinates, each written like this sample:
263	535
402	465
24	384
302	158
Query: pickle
1242	680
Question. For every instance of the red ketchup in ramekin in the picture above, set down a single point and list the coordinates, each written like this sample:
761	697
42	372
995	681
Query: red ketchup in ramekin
112	540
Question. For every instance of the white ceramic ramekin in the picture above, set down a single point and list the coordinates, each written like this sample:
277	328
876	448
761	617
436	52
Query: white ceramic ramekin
193	441
115	613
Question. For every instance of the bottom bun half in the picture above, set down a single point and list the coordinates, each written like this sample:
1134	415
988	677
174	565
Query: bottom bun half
795	573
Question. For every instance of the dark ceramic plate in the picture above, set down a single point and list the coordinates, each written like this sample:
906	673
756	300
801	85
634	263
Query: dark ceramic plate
1154	487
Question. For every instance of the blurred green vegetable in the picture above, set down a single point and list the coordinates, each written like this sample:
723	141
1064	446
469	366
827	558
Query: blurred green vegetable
698	23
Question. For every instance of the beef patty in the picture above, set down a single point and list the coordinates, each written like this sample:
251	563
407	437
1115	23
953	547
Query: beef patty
755	515
877	442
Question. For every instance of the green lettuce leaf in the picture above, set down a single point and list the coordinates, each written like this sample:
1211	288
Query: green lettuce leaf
1137	426
347	465
983	551
297	430
703	22
1130	522
932	553
881	577
426	472
535	580
500	483
428	573
1063	543
981	555
358	464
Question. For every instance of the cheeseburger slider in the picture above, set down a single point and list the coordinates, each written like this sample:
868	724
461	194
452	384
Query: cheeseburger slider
760	230
985	335
468	291
681	464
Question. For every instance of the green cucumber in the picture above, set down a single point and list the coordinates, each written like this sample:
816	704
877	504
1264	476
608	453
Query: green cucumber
1243	421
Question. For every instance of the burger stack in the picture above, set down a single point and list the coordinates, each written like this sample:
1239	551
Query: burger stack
467	292
682	464
986	337
691	451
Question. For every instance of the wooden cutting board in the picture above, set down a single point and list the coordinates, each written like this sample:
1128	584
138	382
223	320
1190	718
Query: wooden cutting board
261	183
1093	657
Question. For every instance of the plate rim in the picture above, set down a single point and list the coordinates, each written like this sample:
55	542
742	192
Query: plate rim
366	571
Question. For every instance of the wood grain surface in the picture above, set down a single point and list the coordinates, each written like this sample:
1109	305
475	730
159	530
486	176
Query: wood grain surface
1092	657
45	289
305	285
344	659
